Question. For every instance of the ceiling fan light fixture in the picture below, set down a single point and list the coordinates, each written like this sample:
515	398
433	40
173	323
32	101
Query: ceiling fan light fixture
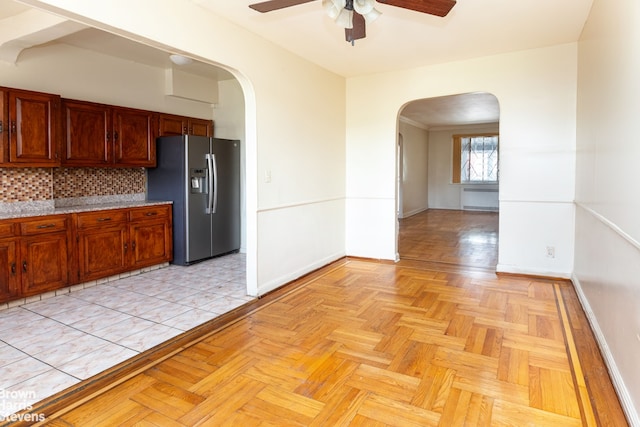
333	7
345	18
363	6
371	16
180	60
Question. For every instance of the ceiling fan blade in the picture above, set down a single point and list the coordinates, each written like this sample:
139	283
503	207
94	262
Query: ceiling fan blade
268	6
432	7
358	31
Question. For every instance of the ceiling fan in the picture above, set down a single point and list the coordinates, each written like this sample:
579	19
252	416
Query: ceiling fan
352	14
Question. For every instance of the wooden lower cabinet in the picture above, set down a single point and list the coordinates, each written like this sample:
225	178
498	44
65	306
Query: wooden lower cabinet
150	242
41	254
44	263
114	241
102	243
9	284
34	256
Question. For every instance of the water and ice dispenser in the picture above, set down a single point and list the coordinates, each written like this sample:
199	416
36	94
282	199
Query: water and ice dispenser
198	180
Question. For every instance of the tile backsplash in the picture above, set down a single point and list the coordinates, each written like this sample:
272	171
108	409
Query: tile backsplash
83	182
25	184
41	184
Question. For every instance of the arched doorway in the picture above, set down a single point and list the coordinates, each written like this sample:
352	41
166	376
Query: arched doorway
448	181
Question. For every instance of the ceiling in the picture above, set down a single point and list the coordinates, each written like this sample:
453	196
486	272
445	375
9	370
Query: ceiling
399	39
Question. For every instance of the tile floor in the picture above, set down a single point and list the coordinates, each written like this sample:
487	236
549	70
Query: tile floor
49	345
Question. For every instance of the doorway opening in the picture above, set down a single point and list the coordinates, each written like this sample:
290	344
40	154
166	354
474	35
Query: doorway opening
448	181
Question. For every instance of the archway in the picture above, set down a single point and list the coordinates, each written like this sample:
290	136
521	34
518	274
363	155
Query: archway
448	216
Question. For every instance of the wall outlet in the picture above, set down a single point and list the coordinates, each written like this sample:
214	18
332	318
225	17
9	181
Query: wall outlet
551	251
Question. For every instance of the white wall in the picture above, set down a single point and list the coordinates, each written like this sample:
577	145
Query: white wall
286	100
91	76
607	261
414	176
443	194
536	92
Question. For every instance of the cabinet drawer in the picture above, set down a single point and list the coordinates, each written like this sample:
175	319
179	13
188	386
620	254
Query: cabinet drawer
101	218
159	211
46	225
7	229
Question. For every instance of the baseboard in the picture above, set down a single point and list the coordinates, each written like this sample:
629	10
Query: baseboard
412	213
616	378
509	269
287	278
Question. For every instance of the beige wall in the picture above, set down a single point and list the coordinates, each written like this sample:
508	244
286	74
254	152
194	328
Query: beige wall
536	93
414	176
607	264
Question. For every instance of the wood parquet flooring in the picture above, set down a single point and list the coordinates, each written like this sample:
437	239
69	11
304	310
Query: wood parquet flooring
467	238
370	343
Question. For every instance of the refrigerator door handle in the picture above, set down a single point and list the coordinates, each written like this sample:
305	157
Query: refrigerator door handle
214	197
210	181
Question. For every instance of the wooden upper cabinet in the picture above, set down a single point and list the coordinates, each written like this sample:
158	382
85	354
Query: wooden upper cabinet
103	135
171	124
86	128
200	127
134	137
30	128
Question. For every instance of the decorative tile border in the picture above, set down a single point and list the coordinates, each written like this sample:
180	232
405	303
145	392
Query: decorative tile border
37	188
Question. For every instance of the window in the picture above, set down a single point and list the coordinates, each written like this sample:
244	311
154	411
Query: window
475	158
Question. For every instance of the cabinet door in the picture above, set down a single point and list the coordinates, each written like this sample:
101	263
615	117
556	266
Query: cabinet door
33	128
200	127
173	125
103	252
150	242
8	269
86	128
43	262
134	137
4	126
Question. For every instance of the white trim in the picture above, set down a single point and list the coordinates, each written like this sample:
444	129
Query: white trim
611	225
289	277
298	204
413	212
502	268
616	378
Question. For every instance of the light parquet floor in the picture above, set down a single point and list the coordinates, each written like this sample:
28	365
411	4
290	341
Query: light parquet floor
368	343
436	339
450	236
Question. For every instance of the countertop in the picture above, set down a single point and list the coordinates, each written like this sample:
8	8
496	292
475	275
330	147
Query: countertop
67	207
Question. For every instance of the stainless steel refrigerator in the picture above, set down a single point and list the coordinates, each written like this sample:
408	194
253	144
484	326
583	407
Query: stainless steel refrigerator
202	177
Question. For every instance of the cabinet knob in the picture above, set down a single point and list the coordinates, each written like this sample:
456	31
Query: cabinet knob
24	266
13	268
1	128
13	127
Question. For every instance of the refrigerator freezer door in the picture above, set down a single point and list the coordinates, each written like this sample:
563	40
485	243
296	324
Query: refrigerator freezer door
226	219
